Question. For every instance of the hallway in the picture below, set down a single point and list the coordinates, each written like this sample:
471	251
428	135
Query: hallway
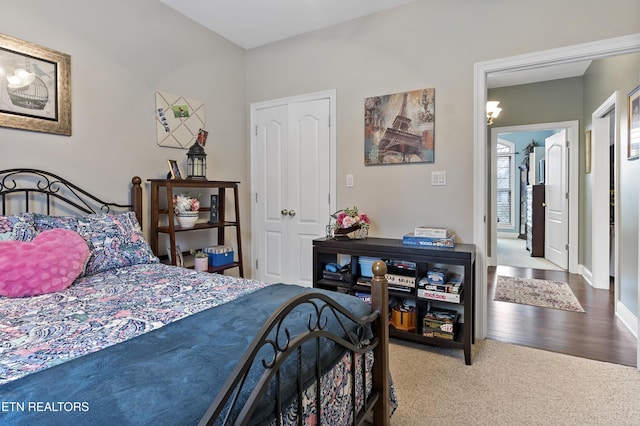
596	334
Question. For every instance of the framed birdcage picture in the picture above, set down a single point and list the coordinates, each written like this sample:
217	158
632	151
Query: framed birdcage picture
35	87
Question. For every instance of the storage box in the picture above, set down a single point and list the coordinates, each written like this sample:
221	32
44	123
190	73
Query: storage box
437	275
430	232
366	263
221	259
440	295
432	332
219	255
403	319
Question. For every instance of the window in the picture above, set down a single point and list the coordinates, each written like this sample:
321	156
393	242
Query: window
504	184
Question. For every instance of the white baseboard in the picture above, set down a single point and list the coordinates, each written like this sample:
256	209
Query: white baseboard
513	235
628	319
586	274
625	315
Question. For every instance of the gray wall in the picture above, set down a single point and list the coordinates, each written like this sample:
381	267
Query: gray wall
603	78
421	45
122	52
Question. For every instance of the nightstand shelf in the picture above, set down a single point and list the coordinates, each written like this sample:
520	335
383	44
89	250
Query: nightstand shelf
173	187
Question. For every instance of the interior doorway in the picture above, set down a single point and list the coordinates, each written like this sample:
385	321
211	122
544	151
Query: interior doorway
602	171
529	138
587	51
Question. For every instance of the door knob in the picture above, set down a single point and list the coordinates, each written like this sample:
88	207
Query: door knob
284	212
544	204
292	213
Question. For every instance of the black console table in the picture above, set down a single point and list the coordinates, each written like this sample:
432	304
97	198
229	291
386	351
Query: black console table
460	259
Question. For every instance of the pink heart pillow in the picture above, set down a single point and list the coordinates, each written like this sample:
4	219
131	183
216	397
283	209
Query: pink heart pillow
47	264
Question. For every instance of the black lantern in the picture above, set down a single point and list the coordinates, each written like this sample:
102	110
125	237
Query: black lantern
196	162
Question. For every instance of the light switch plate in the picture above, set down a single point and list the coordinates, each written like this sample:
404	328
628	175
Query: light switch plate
438	178
349	180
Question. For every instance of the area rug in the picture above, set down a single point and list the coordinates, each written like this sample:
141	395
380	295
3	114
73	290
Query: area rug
536	292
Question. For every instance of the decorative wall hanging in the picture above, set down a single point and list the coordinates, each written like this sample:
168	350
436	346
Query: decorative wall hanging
399	128
178	120
634	124
35	87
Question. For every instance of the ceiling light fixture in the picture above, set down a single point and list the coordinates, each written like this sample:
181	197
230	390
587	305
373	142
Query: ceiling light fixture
493	111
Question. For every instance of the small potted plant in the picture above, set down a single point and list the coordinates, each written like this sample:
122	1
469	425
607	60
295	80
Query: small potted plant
201	260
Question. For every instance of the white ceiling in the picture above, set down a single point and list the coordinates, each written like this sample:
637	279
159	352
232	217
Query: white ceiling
253	23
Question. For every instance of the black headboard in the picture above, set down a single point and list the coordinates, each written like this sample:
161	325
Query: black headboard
30	188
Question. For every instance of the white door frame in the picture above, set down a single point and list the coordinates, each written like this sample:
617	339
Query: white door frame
593	50
600	198
331	95
572	128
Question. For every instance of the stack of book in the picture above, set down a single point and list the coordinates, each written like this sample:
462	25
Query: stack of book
440	323
430	237
439	284
401	275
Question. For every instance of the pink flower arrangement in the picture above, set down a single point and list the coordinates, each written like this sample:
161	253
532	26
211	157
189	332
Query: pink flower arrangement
351	218
185	203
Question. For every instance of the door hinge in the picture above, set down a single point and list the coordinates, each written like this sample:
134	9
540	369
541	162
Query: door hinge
256	129
329	121
256	197
566	247
329	198
256	263
566	195
568	144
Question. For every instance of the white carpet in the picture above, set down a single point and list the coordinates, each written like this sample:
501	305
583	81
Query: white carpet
510	385
513	252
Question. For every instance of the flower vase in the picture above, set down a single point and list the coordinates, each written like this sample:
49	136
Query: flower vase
201	264
187	219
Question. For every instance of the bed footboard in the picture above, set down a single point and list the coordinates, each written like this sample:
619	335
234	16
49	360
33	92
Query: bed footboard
274	348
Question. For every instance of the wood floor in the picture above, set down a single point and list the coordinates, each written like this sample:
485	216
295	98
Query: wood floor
596	334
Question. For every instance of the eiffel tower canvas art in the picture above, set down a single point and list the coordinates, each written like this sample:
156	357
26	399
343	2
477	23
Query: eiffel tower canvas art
399	128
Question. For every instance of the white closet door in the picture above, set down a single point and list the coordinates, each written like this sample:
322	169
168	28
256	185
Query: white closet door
271	168
293	186
308	193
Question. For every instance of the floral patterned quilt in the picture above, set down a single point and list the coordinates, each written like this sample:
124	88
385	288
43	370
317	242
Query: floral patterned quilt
103	309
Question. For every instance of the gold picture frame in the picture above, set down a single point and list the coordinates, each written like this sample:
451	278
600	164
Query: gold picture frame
174	169
37	84
587	151
633	149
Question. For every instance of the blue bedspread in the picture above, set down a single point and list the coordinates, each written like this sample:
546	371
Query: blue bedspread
168	376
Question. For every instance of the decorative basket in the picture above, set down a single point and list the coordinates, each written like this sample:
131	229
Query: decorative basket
351	233
187	219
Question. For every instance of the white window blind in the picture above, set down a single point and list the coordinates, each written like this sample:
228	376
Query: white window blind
504	185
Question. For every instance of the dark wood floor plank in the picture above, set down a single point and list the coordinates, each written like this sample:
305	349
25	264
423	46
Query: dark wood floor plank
596	334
